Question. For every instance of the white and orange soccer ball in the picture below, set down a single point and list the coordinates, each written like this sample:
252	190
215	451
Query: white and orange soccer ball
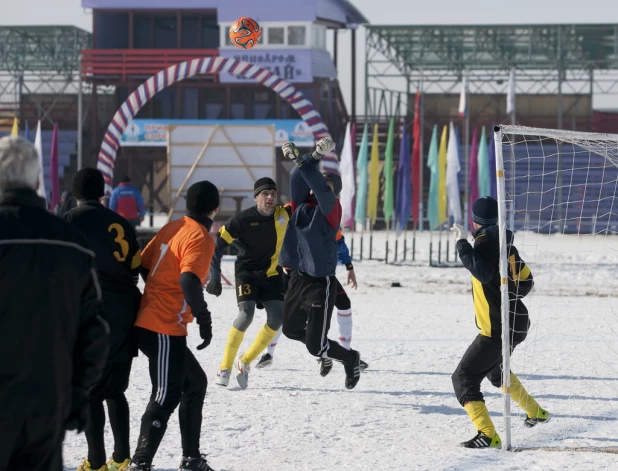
245	33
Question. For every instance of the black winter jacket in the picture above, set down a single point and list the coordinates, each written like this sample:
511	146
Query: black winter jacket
53	340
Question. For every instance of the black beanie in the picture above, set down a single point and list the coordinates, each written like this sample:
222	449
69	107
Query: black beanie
336	179
262	184
202	197
88	184
485	211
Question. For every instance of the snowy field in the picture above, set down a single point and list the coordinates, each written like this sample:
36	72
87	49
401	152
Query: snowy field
403	414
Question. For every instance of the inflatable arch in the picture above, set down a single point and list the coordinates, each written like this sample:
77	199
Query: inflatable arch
207	65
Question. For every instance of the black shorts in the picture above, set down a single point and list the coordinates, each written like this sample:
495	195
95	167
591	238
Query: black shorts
115	380
252	287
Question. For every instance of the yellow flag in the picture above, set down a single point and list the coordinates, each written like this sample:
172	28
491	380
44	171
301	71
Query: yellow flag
15	130
374	178
442	181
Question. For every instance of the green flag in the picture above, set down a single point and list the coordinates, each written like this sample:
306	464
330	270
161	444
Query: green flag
432	164
484	182
389	205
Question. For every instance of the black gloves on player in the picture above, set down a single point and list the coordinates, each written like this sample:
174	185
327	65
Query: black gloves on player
204	321
285	280
214	287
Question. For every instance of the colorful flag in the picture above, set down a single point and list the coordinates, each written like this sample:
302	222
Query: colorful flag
434	182
374	178
483	166
27	132
361	171
452	174
416	161
15	129
442	182
474	174
510	93
39	148
463	105
492	166
346	169
53	170
388	204
403	201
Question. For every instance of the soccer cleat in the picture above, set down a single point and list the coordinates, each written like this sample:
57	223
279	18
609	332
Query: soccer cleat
542	417
114	466
326	364
140	467
482	441
352	371
195	464
85	466
243	373
266	360
363	365
223	377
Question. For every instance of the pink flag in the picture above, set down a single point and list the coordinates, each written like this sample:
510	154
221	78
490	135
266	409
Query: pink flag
53	170
474	174
415	161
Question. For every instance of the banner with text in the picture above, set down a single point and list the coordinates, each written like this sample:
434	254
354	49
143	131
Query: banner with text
153	132
291	65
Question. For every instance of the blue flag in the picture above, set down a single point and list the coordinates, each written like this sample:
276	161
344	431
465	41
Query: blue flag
360	210
27	132
403	192
432	200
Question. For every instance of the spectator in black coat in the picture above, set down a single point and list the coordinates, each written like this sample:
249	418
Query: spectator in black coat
53	339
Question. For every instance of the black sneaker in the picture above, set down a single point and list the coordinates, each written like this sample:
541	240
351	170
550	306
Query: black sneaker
266	360
363	365
542	417
140	467
482	441
195	464
326	364
352	370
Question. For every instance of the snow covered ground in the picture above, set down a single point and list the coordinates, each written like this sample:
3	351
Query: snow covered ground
403	414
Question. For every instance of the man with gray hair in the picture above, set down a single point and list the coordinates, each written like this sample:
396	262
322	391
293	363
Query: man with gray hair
53	341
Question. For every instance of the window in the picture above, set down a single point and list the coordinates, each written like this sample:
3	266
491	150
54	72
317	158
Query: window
297	35
190	32
165	35
142	29
210	32
276	35
226	30
319	36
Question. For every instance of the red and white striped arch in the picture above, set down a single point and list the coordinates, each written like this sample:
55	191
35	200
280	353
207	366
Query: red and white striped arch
187	69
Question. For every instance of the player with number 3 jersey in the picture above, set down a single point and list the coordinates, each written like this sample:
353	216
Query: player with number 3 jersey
114	242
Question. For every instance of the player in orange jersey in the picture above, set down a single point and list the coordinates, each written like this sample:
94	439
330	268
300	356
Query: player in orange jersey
177	261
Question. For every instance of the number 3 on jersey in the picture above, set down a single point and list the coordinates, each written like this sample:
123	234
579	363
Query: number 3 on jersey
119	239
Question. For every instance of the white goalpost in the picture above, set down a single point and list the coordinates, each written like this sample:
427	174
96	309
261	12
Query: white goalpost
557	192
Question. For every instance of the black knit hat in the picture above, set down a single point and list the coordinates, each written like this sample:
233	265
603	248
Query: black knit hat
88	184
202	197
262	184
485	211
336	179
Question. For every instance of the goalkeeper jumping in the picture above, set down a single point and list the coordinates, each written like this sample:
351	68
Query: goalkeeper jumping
483	359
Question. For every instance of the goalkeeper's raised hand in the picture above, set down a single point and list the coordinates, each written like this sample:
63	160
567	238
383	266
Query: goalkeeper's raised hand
290	151
459	231
323	147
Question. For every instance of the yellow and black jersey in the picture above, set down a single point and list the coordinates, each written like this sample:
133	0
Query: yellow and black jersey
258	239
113	240
482	261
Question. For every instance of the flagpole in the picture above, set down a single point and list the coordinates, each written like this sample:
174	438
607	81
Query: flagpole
467	156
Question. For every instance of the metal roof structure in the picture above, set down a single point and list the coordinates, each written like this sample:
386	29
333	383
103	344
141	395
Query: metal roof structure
549	59
39	61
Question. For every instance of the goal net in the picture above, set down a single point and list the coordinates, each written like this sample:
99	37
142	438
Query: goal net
557	193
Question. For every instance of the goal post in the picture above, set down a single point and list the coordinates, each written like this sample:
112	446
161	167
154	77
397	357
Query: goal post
557	192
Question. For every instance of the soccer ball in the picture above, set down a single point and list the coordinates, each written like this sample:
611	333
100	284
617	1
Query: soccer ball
245	33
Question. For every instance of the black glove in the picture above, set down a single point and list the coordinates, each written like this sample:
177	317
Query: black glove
285	280
78	418
206	335
214	287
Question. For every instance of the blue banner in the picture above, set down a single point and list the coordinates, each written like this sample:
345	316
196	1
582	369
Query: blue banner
153	132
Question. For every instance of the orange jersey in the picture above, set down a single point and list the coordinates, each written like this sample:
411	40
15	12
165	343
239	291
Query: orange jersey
180	246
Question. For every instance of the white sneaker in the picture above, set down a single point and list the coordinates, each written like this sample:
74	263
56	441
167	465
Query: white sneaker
243	373
223	377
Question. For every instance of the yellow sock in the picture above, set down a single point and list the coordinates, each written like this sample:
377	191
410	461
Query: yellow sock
477	410
263	338
522	398
234	339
